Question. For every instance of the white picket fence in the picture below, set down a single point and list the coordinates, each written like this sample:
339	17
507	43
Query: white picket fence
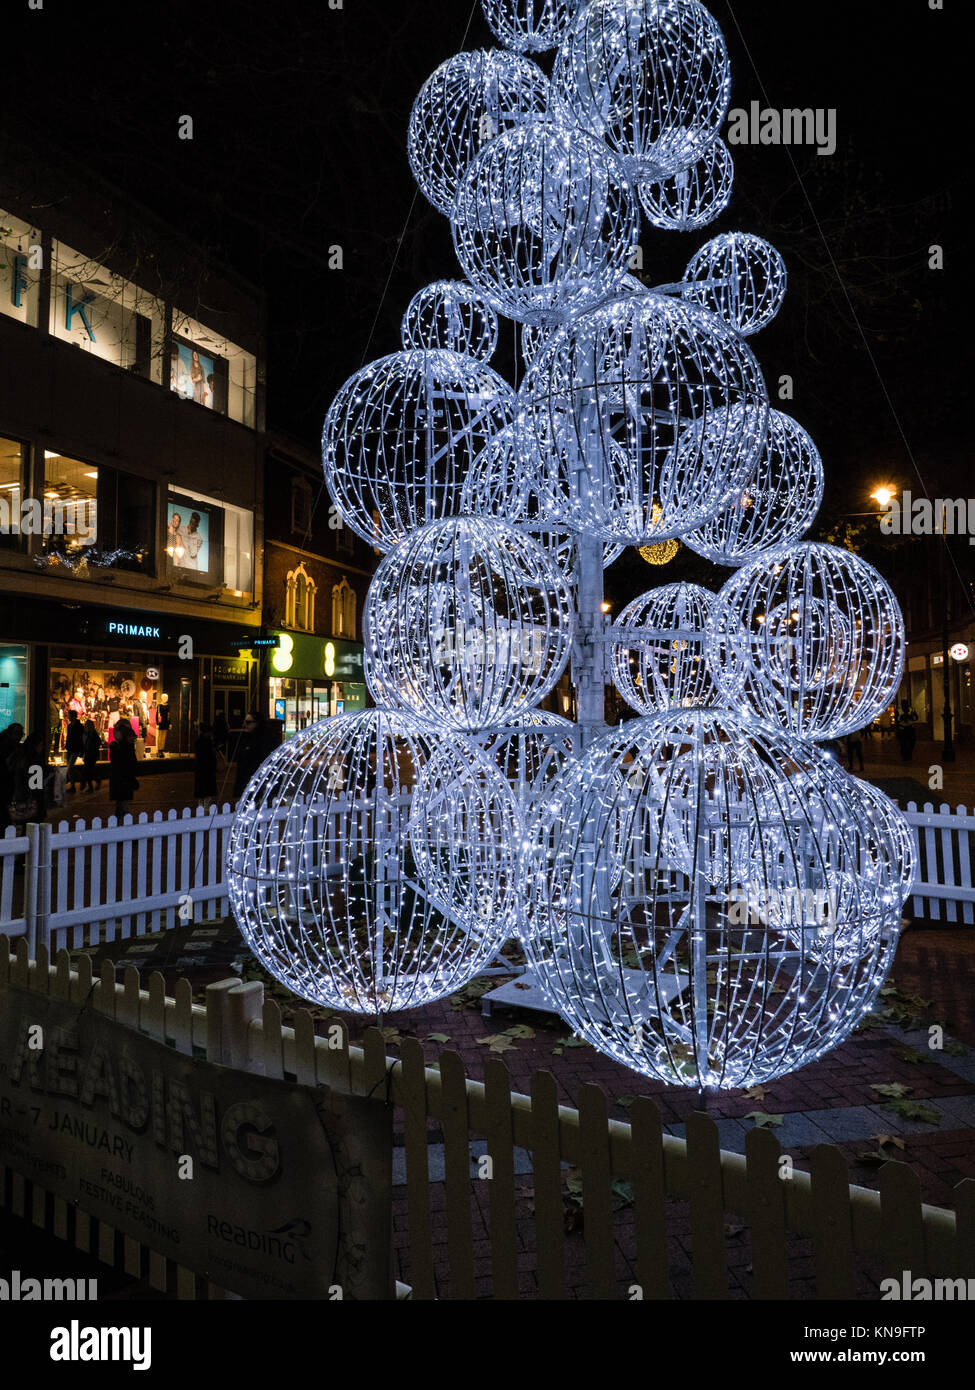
943	887
81	885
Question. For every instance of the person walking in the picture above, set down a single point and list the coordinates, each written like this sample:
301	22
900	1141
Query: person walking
205	766
74	747
906	732
251	750
854	749
28	778
91	751
221	734
9	743
122	764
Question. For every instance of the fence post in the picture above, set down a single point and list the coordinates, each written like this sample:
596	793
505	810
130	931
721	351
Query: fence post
37	887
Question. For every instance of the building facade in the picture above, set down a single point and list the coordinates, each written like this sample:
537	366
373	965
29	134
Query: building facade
316	574
131	465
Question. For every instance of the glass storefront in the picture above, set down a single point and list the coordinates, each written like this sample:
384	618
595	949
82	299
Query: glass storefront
313	678
105	689
13	684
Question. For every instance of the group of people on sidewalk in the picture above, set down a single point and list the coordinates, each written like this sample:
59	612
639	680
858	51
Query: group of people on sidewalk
27	778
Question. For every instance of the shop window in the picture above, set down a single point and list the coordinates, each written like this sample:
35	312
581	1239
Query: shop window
209	542
207	368
301	505
20	268
104	314
343	609
300	601
96	516
12	466
13	685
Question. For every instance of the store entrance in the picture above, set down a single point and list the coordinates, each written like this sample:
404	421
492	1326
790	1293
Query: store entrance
102	687
231	702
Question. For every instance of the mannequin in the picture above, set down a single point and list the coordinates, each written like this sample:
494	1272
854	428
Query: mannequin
162	725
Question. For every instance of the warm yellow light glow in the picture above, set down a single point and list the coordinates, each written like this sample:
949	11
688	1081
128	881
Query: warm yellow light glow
882	495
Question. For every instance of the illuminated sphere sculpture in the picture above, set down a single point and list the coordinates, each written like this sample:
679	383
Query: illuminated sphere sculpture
650	77
528	26
544	221
400	436
502	482
692	197
467	622
530	751
663	962
813	639
451	315
739	276
347	895
645	414
777	503
667	667
464	104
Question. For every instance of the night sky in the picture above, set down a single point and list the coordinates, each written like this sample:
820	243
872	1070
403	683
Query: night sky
300	114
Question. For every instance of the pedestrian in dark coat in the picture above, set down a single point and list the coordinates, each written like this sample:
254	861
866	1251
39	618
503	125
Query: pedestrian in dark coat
122	765
28	781
251	750
74	746
92	750
205	765
9	743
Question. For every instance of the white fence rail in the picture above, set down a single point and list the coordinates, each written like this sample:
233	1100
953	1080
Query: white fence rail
943	888
80	885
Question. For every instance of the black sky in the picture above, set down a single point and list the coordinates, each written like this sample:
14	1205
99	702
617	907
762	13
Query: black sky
300	115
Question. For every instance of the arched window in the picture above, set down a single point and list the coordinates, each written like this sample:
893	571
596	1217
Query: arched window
299	608
343	609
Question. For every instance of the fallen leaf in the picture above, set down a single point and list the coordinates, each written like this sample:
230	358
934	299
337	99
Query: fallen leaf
913	1110
911	1054
391	1036
755	1093
573	1041
497	1042
557	1051
954	1049
894	1089
519	1030
873	1158
763	1121
883	1139
437	1038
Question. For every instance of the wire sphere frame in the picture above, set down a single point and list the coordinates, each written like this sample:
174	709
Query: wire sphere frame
467	622
648	876
349	894
810	638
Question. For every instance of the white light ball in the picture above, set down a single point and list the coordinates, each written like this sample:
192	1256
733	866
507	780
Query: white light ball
530	751
528	26
452	316
467	622
777	503
465	103
667	667
400	436
544	221
655	960
811	638
372	863
502	482
692	197
650	77
645	413
739	276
